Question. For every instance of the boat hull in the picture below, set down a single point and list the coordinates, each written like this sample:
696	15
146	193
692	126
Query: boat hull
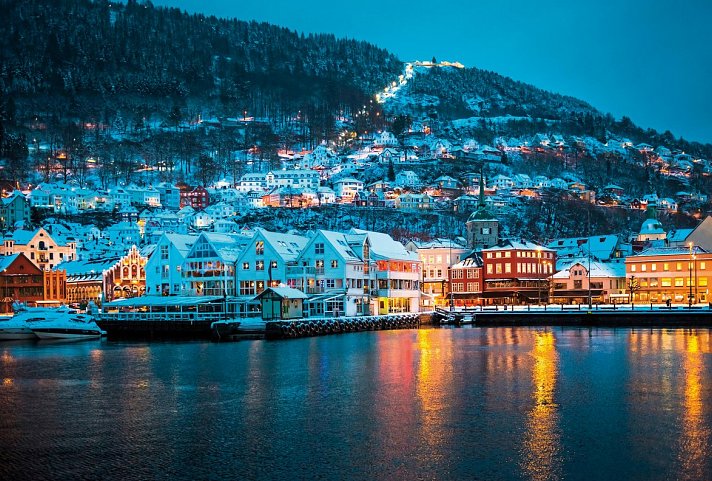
17	334
60	333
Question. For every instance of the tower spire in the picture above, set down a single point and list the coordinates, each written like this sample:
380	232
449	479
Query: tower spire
481	203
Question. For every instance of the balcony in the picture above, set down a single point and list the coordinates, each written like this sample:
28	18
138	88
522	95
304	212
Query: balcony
300	271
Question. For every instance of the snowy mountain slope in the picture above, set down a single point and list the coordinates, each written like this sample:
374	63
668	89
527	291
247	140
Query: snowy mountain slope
453	91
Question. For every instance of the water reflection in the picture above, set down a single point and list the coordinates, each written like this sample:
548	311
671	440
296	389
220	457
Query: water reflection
542	440
434	386
694	441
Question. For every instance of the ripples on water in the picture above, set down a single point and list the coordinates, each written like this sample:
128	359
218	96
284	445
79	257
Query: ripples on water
430	404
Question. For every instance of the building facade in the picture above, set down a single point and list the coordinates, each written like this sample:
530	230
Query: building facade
517	272
39	247
677	274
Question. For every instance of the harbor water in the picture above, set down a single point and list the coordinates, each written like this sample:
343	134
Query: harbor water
421	404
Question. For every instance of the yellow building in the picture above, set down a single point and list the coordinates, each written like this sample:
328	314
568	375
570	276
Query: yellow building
39	247
678	274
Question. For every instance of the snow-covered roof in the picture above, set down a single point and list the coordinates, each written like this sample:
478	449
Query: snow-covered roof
437	244
88	266
679	235
284	292
598	269
517	245
6	261
600	247
671	251
384	247
340	243
471	261
652	226
288	246
227	246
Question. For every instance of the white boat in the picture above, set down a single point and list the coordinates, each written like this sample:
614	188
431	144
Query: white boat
18	327
67	325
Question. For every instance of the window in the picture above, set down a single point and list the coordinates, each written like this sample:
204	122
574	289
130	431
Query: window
273	264
164	253
457	273
508	254
259	248
666	266
245	266
653	267
679	266
633	268
247	288
508	268
260	265
665	282
489	268
498	268
703	266
679	282
643	268
702	281
319	248
334	264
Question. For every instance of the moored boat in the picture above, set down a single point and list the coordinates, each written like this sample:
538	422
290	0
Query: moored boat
18	327
67	326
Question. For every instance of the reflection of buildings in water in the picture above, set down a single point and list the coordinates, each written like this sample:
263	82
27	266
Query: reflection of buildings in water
504	360
694	442
434	384
541	457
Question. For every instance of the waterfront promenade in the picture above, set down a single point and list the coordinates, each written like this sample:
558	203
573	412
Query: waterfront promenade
610	315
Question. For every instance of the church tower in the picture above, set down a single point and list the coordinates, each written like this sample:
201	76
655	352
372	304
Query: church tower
482	227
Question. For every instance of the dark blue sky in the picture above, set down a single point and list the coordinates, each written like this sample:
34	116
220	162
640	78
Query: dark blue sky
650	60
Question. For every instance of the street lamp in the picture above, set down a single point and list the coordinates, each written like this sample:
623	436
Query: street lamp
689	282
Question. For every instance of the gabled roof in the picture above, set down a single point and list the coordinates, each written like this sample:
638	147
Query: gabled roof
472	260
340	244
286	245
284	293
598	269
6	261
384	247
226	246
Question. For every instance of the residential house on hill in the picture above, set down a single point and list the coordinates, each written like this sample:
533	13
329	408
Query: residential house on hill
14	209
39	247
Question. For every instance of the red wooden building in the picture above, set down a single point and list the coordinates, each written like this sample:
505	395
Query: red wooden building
22	281
516	272
198	198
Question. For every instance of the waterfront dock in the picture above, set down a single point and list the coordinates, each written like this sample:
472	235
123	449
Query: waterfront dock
339	325
580	315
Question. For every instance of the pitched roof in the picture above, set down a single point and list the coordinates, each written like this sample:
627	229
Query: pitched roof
284	292
384	247
227	246
598	269
6	261
509	244
288	246
340	244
